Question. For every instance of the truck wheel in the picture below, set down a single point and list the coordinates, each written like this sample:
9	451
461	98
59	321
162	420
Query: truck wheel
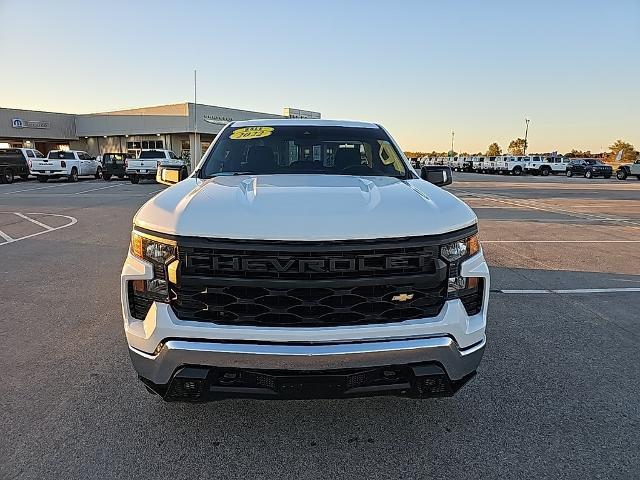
545	171
134	178
183	174
638	177
98	173
43	178
588	174
106	177
7	176
73	176
621	174
517	170
569	173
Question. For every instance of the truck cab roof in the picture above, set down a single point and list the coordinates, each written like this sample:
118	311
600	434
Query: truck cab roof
301	122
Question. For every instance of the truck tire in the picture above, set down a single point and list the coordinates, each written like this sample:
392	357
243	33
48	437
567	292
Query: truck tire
43	178
7	176
545	171
588	174
621	174
98	173
183	174
517	170
569	173
106	177
73	176
134	178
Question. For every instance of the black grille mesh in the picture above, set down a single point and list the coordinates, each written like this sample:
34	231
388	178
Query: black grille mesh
308	306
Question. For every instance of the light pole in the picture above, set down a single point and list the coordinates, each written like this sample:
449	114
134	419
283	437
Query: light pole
526	132
452	135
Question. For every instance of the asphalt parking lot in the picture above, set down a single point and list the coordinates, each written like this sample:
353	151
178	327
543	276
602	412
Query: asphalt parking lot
557	394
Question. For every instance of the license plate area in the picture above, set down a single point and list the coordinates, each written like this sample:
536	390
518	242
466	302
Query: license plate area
311	385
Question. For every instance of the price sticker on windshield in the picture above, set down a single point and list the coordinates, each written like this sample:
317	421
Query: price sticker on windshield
248	133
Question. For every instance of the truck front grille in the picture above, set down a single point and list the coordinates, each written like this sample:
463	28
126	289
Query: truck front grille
310	284
308	306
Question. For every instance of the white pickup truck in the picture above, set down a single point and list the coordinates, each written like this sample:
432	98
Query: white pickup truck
305	258
540	165
66	163
146	165
513	165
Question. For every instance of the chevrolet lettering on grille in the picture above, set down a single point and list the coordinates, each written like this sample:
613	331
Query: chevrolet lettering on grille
364	263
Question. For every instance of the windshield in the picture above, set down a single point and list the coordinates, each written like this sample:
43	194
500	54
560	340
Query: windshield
304	149
61	155
151	154
115	157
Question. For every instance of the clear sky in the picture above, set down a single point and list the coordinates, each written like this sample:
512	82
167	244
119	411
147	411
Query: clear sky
421	68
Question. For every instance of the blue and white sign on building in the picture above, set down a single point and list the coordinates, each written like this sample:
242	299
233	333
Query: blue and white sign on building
19	123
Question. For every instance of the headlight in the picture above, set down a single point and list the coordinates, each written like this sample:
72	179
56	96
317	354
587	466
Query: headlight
468	289
152	249
162	254
460	249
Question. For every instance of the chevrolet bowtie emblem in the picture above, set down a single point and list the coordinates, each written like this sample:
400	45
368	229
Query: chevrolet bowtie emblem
403	297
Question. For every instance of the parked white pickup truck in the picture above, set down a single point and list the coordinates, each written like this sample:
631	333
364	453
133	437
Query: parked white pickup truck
539	165
273	272
65	163
507	164
146	165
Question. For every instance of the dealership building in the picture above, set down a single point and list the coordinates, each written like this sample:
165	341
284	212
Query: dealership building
185	128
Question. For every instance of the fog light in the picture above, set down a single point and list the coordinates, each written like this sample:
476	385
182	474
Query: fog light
455	284
158	285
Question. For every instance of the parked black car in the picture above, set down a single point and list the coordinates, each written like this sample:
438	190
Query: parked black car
589	168
14	161
114	164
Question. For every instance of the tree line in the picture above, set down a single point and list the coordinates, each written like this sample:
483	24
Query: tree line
517	147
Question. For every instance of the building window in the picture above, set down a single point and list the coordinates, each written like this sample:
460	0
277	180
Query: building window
151	144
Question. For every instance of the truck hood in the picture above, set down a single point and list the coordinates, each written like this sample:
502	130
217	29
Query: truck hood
304	207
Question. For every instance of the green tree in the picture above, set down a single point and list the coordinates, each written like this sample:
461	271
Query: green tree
578	154
494	150
516	147
629	153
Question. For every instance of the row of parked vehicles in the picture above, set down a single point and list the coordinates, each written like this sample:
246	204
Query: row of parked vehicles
534	165
73	164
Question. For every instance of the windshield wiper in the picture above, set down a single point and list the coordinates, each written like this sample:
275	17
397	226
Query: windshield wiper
228	174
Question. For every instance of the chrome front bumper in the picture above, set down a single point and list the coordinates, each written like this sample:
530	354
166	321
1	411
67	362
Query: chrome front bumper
173	354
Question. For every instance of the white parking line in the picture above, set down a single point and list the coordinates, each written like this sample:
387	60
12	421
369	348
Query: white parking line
575	290
5	236
95	189
38	188
47	228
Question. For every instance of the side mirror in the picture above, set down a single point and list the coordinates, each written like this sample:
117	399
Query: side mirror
439	175
168	175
